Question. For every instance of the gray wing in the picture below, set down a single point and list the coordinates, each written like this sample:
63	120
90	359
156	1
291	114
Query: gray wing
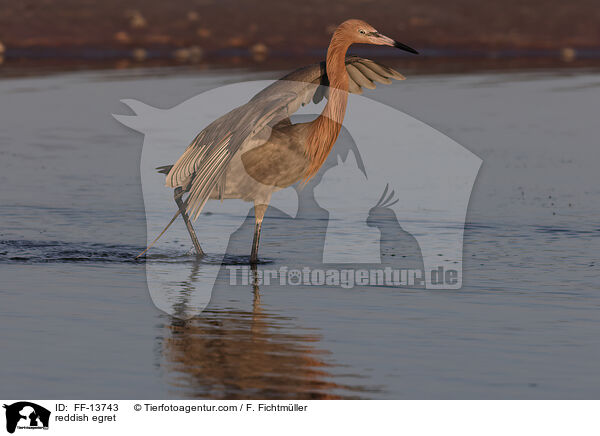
206	159
362	73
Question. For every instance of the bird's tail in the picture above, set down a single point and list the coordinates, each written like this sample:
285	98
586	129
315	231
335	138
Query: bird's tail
161	233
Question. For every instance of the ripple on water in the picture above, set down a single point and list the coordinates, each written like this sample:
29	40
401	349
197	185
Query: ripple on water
28	251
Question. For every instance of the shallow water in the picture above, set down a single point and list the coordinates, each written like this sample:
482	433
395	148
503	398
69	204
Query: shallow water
79	322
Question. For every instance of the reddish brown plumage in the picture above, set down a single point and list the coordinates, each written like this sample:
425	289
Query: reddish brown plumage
326	128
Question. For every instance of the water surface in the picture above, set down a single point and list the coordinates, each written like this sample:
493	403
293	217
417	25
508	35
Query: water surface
78	321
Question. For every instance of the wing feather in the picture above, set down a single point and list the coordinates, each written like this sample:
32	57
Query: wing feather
371	74
353	87
358	77
369	71
381	69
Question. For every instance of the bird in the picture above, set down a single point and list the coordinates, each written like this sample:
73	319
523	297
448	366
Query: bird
255	150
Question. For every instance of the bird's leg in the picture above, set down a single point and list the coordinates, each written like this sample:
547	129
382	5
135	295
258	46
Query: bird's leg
259	214
178	193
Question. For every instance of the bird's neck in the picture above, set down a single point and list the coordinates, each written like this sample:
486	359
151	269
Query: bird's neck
326	128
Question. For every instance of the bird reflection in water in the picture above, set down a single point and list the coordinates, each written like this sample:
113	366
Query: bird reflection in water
229	353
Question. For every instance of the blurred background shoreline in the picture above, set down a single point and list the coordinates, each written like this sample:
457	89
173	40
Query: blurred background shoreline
56	35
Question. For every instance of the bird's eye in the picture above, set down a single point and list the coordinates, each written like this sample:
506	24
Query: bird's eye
362	32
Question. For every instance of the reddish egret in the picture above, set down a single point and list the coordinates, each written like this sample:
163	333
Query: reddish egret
255	150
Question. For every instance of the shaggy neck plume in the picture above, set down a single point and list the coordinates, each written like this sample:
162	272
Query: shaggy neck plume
326	128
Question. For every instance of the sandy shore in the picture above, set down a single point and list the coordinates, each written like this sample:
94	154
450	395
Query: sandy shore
242	31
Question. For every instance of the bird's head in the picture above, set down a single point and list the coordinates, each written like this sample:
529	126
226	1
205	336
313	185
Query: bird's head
360	32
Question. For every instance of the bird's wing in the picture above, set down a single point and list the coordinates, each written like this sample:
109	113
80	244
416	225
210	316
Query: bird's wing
363	73
206	159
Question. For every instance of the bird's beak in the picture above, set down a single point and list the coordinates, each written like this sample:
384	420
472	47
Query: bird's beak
405	47
389	41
